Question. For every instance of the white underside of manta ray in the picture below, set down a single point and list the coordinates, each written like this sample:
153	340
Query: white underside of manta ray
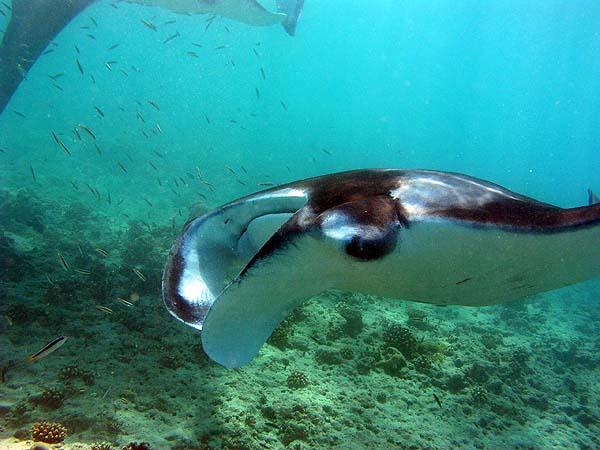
435	237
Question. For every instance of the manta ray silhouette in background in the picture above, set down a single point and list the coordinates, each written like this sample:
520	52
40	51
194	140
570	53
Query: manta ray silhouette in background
35	23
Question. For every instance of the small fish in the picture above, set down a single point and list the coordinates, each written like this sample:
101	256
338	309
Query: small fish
170	38
33	174
266	183
257	92
159	154
283	105
122	167
112	47
20	114
99	111
125	302
64	147
193	54
57	86
170	22
124	72
47	349
104	309
76	131
49	280
159	182
139	274
255	52
139	116
83	272
102	251
77	50
108	66
262	73
327	152
2	12
152	165
230	169
79	66
153	104
226	28
220	47
196	45
437	400
56	76
148	202
207	119
55	136
149	25
159	128
91	36
93	79
47	52
87	130
7	6
98	150
94	21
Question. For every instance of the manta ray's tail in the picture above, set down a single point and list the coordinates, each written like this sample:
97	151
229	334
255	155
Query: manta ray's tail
292	9
593	199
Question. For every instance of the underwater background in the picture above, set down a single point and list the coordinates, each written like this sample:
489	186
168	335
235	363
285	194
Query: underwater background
508	91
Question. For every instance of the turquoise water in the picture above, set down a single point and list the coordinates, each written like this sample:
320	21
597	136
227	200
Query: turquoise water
507	91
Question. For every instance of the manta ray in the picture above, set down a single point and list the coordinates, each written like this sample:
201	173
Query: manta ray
426	236
35	23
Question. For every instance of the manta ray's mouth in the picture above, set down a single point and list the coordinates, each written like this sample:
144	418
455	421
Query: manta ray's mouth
463	241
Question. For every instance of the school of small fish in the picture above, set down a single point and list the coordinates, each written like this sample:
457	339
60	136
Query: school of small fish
88	135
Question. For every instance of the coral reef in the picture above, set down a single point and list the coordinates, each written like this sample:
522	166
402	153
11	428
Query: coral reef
48	432
297	380
71	373
101	446
136	446
353	317
50	398
401	338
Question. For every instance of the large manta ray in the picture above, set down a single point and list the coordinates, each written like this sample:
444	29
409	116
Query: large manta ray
426	236
34	23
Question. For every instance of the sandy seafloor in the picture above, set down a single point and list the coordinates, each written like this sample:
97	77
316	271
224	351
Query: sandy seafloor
520	375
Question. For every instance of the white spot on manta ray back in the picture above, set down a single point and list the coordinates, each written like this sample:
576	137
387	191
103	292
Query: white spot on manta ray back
423	194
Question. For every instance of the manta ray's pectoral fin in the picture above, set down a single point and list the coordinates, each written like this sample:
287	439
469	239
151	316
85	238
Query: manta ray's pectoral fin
215	247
